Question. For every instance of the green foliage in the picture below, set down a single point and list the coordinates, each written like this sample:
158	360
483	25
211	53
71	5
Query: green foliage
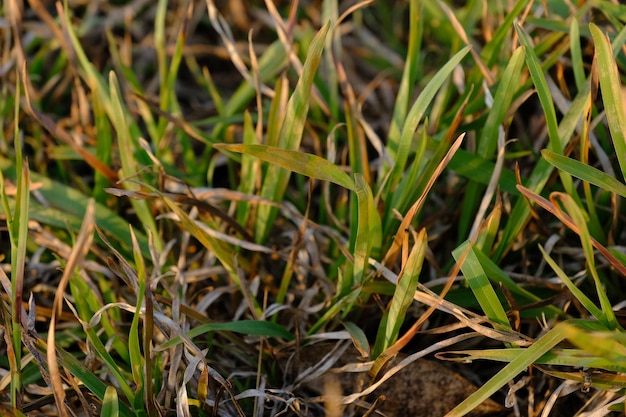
332	187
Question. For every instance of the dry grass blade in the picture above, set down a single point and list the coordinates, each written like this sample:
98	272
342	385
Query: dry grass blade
80	250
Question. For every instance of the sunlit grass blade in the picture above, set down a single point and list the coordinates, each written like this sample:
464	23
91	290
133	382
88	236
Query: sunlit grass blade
487	143
523	360
609	345
303	163
368	233
577	58
409	75
480	285
276	178
134	342
389	327
612	94
585	172
496	274
400	150
578	358
249	170
110	403
17	224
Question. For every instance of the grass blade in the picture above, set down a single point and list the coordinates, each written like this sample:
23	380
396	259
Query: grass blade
276	179
399	150
585	172
110	403
403	296
303	163
523	360
611	94
480	285
247	327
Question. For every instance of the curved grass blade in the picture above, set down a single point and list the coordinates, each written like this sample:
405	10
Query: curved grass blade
585	172
303	163
612	97
247	327
130	167
578	358
580	296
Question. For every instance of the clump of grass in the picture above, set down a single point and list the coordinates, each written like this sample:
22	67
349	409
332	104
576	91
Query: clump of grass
176	231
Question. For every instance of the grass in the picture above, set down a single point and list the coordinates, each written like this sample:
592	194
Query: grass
190	195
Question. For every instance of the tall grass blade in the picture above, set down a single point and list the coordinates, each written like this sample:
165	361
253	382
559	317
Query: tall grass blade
400	150
389	328
130	167
275	181
409	76
612	94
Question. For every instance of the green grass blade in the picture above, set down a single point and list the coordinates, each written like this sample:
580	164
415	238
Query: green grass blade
580	296
523	360
585	172
110	403
403	295
91	381
246	327
400	151
276	179
577	358
608	345
367	235
541	173
612	95
134	335
577	56
579	219
480	285
488	139
303	163
130	167
71	204
249	170
409	75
